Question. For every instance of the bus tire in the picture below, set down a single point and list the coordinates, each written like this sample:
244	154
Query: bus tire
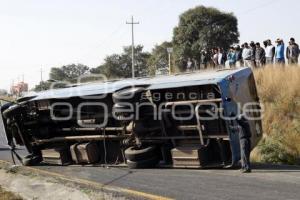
137	154
148	163
31	160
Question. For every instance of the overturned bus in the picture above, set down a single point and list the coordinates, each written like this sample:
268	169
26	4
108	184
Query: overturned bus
186	121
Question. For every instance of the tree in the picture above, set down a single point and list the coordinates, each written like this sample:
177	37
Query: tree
61	76
3	92
69	73
159	60
119	66
114	67
203	28
44	85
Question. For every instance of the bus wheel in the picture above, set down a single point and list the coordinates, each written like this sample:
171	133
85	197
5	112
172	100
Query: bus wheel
148	163
143	153
31	160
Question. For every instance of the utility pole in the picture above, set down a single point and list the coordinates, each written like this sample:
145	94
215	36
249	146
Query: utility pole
41	74
41	83
132	23
12	87
170	50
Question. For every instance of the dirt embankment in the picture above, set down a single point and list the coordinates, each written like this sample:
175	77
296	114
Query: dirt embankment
18	183
6	195
279	92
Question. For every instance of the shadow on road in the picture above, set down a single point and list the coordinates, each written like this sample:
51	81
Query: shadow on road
274	168
8	149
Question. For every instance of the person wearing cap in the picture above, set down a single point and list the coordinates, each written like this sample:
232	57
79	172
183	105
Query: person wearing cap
270	52
259	55
279	52
292	52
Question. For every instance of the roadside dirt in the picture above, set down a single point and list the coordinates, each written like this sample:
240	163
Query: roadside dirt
35	187
6	195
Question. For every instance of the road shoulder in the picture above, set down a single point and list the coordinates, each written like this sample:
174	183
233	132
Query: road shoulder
32	183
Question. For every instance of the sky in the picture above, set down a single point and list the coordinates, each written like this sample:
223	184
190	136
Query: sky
40	34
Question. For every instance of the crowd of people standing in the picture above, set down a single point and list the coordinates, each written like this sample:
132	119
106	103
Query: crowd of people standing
250	55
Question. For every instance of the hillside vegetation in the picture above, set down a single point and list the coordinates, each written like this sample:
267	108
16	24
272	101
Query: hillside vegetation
279	91
5	99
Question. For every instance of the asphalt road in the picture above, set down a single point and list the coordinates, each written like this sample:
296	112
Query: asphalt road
265	182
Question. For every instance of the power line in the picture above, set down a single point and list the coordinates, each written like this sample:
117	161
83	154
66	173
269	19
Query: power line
132	23
264	4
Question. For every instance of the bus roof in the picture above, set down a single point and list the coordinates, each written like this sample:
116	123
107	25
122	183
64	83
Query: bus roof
151	83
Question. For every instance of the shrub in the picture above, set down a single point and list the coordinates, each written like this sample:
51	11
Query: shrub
279	92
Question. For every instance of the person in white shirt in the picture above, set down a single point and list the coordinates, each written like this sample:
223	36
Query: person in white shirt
247	56
215	57
270	52
221	57
189	65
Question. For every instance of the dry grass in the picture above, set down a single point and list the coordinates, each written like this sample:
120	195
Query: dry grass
6	98
4	195
279	91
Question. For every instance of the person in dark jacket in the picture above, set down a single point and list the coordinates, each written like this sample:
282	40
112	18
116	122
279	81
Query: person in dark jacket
221	57
253	47
239	58
260	55
245	143
292	52
204	57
